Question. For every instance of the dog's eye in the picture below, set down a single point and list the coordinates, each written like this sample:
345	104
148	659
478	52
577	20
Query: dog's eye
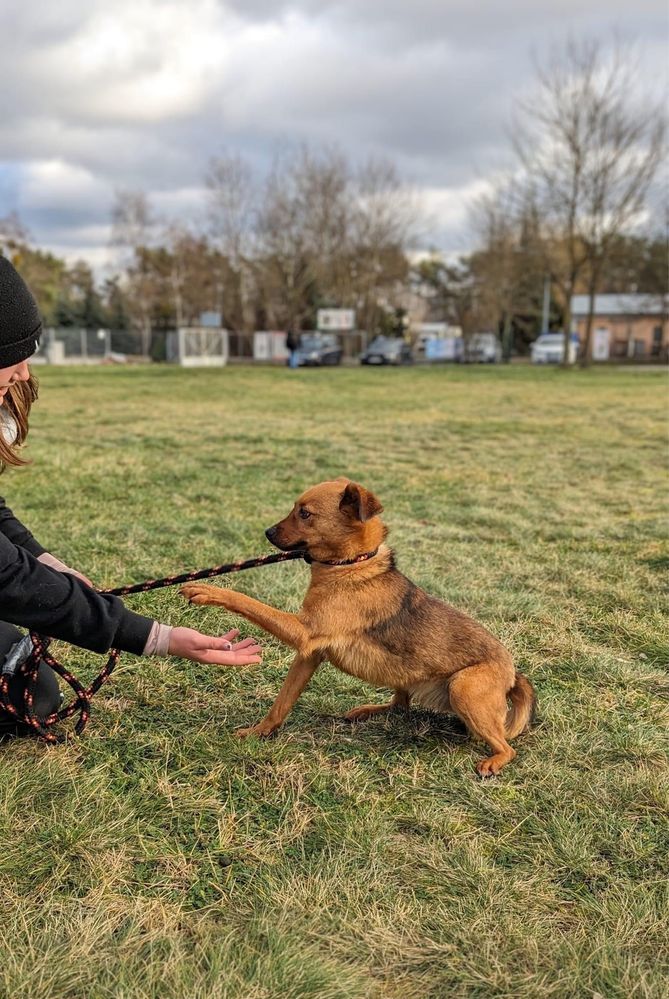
304	514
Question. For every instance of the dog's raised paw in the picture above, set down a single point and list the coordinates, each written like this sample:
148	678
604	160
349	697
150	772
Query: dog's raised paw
196	594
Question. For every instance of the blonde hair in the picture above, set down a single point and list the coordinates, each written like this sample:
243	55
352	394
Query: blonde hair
17	402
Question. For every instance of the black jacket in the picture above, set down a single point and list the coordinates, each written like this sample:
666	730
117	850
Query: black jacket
58	604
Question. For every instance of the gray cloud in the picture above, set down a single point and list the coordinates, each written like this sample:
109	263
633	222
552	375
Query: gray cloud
142	94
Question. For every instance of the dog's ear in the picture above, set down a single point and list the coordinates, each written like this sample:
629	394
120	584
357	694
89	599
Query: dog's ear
359	502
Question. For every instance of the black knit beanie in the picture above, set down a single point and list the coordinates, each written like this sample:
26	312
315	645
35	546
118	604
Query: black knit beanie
20	321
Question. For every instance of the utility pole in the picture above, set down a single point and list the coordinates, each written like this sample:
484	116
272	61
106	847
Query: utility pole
545	312
507	337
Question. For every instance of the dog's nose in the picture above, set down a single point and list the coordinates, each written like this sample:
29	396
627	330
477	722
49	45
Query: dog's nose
270	533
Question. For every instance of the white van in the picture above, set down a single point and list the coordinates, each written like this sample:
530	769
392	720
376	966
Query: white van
548	348
482	348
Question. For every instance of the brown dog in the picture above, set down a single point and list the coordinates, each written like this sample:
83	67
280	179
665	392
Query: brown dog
369	620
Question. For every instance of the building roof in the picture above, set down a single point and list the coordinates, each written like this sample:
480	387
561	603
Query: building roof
620	305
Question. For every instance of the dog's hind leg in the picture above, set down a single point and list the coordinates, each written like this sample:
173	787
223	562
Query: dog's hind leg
477	694
401	700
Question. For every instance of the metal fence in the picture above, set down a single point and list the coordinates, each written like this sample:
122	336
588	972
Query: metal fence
73	345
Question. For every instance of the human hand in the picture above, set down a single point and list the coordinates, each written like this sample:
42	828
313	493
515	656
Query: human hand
222	651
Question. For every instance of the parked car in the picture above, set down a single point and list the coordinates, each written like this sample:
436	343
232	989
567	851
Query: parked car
387	350
548	348
443	348
318	348
429	332
481	348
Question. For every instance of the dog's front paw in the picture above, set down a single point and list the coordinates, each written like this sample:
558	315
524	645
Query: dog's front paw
262	730
199	593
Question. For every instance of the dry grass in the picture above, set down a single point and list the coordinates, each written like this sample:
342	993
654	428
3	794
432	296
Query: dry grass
159	858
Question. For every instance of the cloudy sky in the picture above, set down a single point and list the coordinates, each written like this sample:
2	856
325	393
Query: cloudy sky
141	93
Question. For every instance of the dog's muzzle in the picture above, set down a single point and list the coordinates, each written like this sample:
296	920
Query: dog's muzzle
272	535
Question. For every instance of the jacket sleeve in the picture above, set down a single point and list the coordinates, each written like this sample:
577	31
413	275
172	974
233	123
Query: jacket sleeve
59	605
17	532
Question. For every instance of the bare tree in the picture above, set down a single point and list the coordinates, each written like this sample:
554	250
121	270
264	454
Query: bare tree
177	240
285	268
133	226
495	217
231	209
332	235
507	268
386	221
303	234
323	189
319	233
590	155
182	266
132	219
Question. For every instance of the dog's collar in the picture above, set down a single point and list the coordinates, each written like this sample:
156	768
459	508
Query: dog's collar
347	561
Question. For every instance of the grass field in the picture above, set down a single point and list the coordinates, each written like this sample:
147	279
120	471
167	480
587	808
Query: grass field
160	858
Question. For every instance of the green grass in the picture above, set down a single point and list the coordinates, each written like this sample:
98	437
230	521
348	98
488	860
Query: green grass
160	858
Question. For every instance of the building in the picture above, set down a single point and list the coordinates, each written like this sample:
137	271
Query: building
624	326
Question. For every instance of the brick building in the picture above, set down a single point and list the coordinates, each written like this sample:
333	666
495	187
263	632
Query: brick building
624	326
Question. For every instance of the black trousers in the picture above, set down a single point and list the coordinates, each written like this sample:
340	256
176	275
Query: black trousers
47	692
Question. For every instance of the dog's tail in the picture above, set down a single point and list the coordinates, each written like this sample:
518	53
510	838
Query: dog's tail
523	706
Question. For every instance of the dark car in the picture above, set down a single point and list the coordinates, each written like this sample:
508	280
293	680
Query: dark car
387	350
318	348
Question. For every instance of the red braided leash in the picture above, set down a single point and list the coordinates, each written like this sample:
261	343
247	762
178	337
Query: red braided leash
82	699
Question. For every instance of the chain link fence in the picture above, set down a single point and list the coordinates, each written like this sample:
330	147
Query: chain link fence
74	345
